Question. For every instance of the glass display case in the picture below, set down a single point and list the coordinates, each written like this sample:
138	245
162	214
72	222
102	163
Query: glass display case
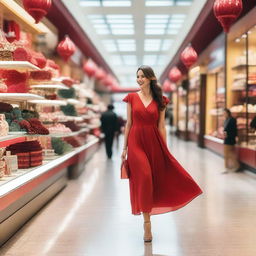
242	85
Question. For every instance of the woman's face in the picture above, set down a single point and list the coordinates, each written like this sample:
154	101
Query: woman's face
142	81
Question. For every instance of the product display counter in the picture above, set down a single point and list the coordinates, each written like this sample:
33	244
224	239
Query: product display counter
24	194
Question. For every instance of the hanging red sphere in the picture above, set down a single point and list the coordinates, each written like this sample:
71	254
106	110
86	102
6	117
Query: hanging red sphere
227	11
66	48
37	8
100	74
108	81
189	56
175	75
90	68
166	85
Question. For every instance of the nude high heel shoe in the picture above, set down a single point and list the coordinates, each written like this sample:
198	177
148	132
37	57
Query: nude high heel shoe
147	232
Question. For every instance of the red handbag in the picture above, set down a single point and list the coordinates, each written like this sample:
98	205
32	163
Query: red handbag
125	170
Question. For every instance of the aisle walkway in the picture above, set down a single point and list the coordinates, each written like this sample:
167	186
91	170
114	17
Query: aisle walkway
91	217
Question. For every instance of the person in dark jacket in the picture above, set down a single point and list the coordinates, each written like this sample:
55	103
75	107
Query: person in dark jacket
230	134
109	127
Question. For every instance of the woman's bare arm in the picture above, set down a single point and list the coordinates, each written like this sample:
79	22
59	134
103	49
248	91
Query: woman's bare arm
128	124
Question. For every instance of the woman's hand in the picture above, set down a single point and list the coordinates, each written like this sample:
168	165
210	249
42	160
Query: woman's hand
123	156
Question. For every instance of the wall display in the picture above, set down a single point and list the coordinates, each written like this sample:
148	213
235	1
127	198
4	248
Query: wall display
242	85
215	103
194	102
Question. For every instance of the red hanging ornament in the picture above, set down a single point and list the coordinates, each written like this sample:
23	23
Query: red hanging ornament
100	74
189	56
227	11
90	68
66	48
175	75
37	8
166	85
108	81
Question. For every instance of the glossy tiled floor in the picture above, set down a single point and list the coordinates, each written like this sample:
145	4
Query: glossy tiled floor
91	217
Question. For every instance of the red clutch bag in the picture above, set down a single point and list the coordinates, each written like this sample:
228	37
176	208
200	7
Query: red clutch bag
125	170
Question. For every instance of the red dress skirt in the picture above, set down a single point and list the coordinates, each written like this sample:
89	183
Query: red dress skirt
158	183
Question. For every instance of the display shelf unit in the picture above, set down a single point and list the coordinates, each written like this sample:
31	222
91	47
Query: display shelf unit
18	65
22	196
49	86
48	102
19	97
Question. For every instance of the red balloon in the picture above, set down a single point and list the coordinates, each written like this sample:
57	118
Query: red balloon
175	75
189	56
37	8
90	68
100	74
227	11
66	48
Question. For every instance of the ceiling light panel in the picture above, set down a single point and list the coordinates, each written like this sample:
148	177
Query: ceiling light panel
168	2
129	60
166	44
150	60
110	45
126	45
162	59
156	24
116	60
152	45
106	3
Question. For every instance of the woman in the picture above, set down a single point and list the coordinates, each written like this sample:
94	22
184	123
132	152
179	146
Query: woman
158	183
230	134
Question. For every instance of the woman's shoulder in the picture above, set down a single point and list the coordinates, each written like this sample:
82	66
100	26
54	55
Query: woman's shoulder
129	97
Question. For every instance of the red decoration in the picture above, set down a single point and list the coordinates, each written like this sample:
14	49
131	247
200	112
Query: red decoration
167	87
13	31
108	81
37	8
189	56
175	75
66	48
227	11
90	68
100	74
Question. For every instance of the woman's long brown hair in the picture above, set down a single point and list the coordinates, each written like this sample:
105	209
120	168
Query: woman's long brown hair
154	86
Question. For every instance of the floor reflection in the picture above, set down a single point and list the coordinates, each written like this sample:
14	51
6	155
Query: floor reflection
148	251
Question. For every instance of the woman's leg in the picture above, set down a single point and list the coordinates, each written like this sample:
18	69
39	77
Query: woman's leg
147	227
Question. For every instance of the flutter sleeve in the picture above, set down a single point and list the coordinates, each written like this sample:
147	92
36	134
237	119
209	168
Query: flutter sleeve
166	100
127	98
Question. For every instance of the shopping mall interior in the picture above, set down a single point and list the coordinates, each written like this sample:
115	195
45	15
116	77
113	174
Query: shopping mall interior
127	127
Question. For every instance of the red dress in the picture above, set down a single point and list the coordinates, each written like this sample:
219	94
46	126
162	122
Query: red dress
158	183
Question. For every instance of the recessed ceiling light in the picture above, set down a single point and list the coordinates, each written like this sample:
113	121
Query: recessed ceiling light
122	31
155	31
116	3
159	3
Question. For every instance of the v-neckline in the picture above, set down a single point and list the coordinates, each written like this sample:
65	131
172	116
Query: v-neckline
143	103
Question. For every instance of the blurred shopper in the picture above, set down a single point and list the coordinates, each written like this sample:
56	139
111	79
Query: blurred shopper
158	183
108	127
120	125
253	124
230	134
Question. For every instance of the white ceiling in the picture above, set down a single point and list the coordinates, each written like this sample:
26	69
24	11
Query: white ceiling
130	33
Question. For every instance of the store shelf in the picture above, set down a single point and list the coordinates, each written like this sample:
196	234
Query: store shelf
242	66
19	14
11	136
50	86
70	134
33	173
18	97
49	102
18	65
